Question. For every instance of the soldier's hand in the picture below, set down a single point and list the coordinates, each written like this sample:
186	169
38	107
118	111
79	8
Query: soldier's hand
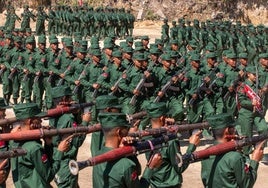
96	86
128	140
155	161
62	75
124	76
174	79
50	72
112	88
254	102
16	129
231	89
194	96
64	145
160	94
257	154
181	76
77	82
241	73
26	71
195	138
207	79
136	92
3	66
38	73
3	175
147	74
169	121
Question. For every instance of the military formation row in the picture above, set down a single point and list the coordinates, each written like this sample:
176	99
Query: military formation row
66	20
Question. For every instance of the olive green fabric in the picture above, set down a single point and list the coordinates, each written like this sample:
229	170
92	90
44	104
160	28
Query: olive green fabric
156	110
61	91
27	110
220	121
112	120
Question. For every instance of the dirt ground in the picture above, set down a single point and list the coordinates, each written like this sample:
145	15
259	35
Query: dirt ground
191	176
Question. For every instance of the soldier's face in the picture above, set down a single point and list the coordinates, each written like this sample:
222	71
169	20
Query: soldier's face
108	51
138	63
166	64
127	55
264	62
29	46
96	58
232	62
145	42
54	46
252	77
243	61
41	46
174	47
211	61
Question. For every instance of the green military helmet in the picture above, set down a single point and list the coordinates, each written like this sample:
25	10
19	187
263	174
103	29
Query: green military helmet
83	43
210	47
159	42
145	37
16	30
108	43
211	55
8	36
3	104
165	20
243	55
165	57
263	55
113	120
30	39
17	39
61	91
107	101
221	121
117	53
68	42
27	110
139	56
82	49
129	39
138	46
231	55
127	49
123	44
154	50
156	110
195	57
193	44
251	69
174	41
174	54
94	40
53	39
42	39
95	52
95	46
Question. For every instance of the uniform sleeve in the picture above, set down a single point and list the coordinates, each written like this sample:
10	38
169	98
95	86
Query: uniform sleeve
132	180
246	175
43	166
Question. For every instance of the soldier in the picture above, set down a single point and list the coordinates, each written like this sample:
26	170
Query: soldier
61	96
174	31
4	172
250	107
16	67
104	103
40	21
26	16
123	172
28	70
165	32
40	68
37	168
13	17
6	66
229	169
169	174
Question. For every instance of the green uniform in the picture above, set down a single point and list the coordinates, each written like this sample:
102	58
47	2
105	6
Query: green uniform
64	178
169	174
247	116
228	170
121	173
37	168
26	16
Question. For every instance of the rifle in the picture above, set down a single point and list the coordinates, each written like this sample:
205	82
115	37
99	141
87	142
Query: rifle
136	148
132	117
168	129
36	78
2	71
167	85
234	85
62	79
10	76
25	77
42	133
139	86
119	80
49	79
80	76
52	112
16	152
223	148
